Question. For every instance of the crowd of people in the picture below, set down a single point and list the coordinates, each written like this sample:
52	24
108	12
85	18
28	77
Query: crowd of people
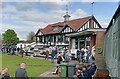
86	71
84	55
61	56
12	50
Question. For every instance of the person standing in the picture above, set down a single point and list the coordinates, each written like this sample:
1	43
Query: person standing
78	56
59	58
21	73
46	54
21	50
52	54
18	51
93	51
82	55
67	59
88	56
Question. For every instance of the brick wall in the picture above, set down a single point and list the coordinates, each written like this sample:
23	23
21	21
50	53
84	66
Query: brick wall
100	40
99	44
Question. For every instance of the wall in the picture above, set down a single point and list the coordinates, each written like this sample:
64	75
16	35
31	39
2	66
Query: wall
119	46
111	50
100	40
99	45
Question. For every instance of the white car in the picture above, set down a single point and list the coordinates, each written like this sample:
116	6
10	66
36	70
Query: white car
38	51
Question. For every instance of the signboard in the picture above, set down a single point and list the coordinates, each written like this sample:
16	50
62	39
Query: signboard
99	50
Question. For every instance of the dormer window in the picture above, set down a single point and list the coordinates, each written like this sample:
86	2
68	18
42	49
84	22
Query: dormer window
57	27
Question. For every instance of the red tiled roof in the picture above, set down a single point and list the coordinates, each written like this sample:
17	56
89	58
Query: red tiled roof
74	24
77	23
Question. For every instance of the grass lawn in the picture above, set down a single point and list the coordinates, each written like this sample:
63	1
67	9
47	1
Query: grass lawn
34	67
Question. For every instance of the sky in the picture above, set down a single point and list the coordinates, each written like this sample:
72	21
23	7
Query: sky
25	16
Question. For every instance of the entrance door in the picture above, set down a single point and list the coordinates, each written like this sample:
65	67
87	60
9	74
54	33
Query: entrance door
87	41
82	43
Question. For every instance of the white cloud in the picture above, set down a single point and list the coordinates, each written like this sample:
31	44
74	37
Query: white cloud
58	0
19	0
31	15
22	31
78	14
30	19
55	4
31	0
26	6
104	24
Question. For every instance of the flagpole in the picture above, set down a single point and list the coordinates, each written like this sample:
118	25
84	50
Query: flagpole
92	8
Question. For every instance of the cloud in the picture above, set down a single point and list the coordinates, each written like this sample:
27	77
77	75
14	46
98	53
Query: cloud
104	24
26	6
9	8
58	0
19	0
54	5
78	14
27	16
30	15
22	31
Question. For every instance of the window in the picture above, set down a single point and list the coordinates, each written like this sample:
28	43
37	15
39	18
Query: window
86	26
57	27
67	29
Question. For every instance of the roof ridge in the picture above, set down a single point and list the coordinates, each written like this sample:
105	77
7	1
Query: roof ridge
81	18
70	20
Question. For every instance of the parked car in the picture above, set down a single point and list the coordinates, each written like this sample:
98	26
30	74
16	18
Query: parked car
38	51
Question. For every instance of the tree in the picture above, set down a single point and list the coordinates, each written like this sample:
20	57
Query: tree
31	37
10	37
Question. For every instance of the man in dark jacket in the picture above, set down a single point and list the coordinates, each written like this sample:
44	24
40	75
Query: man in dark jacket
84	73
21	73
91	70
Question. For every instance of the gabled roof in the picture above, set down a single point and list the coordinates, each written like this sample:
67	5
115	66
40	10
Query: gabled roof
114	17
74	24
77	23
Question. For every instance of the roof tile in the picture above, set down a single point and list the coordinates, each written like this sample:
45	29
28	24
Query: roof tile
74	24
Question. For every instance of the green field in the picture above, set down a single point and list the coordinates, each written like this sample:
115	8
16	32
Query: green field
34	67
